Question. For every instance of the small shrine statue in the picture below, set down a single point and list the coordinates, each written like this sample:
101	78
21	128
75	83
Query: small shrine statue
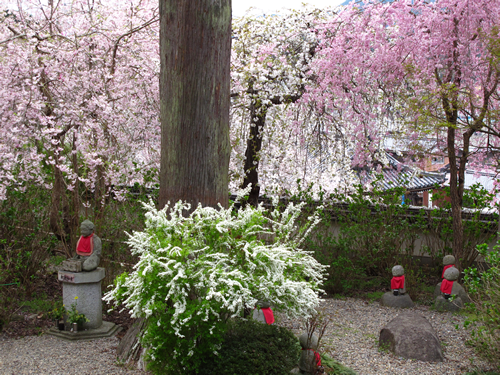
263	313
397	297
310	360
88	248
448	262
398	280
450	276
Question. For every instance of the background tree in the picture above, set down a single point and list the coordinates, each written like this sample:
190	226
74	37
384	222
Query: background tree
432	68
78	103
195	50
277	139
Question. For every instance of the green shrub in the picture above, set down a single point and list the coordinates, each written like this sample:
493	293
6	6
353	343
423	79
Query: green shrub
484	318
197	272
251	347
333	367
363	234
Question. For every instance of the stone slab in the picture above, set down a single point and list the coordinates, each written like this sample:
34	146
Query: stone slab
401	301
82	277
107	329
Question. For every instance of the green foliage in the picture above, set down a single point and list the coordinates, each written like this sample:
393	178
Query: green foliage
25	241
197	272
475	230
332	367
74	316
484	312
39	303
364	234
361	237
251	347
58	312
374	296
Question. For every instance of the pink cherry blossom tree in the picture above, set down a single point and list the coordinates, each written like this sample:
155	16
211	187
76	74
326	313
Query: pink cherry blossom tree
277	139
78	101
410	69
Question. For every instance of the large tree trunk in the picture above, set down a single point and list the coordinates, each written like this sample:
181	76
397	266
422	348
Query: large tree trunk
195	50
456	196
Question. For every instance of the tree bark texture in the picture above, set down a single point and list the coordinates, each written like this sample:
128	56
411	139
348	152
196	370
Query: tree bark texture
195	51
252	153
456	196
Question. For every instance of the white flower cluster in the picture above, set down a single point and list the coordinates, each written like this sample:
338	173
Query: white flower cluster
214	263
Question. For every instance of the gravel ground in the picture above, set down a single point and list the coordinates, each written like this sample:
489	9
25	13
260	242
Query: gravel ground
44	355
351	338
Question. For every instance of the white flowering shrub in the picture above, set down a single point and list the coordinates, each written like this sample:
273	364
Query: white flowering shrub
196	272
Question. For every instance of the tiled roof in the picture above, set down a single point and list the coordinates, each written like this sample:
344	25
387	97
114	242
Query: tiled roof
400	175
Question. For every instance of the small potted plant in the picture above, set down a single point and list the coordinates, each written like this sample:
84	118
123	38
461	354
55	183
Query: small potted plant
76	319
57	316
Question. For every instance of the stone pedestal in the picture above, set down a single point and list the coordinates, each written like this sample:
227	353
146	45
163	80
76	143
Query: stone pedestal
443	304
87	287
401	301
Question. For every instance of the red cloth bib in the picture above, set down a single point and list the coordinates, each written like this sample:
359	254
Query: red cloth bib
85	245
317	357
398	282
268	315
446	286
445	268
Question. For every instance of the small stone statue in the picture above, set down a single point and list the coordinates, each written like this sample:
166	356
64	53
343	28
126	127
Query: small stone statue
263	313
450	276
397	297
450	287
448	262
310	360
88	250
398	280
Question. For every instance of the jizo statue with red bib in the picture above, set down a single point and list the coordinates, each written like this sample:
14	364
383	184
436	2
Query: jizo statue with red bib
89	247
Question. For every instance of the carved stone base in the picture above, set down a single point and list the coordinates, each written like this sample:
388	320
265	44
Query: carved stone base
107	329
87	287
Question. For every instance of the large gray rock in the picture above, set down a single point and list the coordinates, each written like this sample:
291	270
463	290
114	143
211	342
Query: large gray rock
401	301
410	335
443	304
456	289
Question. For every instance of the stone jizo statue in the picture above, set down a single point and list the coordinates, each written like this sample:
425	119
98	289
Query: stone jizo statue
397	297
450	287
263	312
310	360
450	276
398	280
88	250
